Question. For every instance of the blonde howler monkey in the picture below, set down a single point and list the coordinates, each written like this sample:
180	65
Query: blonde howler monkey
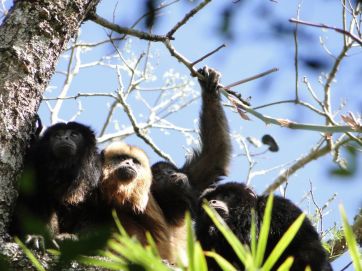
125	186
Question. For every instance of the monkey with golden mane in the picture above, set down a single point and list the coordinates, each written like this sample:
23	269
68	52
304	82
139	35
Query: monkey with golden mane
125	186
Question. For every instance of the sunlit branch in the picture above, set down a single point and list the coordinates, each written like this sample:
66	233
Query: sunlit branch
128	31
314	154
252	78
207	55
344	32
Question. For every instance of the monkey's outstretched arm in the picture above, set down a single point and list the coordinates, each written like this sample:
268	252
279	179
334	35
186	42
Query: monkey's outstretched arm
212	159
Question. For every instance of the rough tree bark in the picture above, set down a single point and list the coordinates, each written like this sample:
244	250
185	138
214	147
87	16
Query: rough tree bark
32	36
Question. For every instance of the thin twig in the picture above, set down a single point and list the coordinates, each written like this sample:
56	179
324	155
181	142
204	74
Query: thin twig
109	117
311	91
207	55
252	78
186	18
79	95
319	210
295	34
138	131
344	32
302	103
250	160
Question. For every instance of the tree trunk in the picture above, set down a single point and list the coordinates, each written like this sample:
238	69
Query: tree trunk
32	36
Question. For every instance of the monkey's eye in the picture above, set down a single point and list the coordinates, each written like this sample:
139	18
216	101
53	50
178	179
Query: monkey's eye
58	134
74	134
121	157
136	161
169	171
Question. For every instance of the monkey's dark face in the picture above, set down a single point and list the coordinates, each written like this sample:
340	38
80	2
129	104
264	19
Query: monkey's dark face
66	143
164	172
232	201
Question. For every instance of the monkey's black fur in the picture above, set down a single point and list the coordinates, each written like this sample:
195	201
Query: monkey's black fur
172	185
172	192
234	202
61	173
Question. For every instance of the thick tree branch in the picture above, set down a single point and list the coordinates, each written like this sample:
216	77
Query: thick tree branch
288	123
127	31
314	154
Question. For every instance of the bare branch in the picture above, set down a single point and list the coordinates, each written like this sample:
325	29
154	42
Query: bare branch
79	95
354	37
299	102
139	132
207	55
287	123
181	58
252	78
70	74
295	34
314	154
128	31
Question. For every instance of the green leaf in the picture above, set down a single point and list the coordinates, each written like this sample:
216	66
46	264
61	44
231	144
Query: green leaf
152	244
351	241
284	242
285	266
30	255
200	261
224	264
264	231
190	243
120	228
102	263
240	250
253	234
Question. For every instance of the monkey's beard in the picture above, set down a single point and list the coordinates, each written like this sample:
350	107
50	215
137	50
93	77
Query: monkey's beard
124	192
64	150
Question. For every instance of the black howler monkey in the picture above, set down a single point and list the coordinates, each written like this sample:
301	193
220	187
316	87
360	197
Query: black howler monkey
125	187
61	174
175	189
234	202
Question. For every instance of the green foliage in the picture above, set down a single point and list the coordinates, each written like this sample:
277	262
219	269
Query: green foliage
30	255
88	244
253	258
123	252
264	232
284	242
195	254
351	241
